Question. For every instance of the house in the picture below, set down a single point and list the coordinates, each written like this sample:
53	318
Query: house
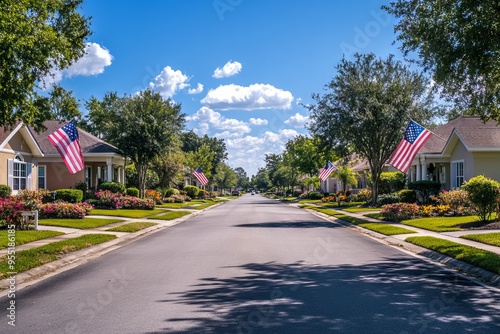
457	151
29	161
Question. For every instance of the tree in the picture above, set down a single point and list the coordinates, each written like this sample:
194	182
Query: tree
346	175
63	105
242	177
304	154
459	42
169	168
202	158
36	37
261	179
101	113
192	142
368	106
225	177
143	127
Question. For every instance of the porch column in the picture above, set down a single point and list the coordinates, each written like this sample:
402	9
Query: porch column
418	172
327	190
423	169
109	166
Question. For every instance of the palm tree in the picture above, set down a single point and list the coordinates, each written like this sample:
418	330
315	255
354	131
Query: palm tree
347	175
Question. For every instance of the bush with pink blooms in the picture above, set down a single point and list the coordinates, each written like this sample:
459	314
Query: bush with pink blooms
10	210
107	199
64	210
131	202
399	211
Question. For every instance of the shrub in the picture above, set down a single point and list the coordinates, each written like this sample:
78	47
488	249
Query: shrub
178	198
114	187
297	192
203	194
482	193
427	210
328	199
407	196
154	195
399	211
64	210
5	191
33	197
425	189
132	191
364	195
387	199
315	195
192	191
171	191
69	195
132	202
457	200
107	199
391	182
10	210
168	200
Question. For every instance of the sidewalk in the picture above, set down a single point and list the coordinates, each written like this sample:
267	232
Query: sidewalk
399	240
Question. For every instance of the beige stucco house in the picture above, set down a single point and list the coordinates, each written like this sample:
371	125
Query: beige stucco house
29	161
457	151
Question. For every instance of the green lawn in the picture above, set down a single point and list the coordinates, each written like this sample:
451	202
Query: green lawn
441	224
203	205
85	223
128	213
173	205
385	228
23	237
356	209
31	258
169	215
485	238
478	257
374	215
131	227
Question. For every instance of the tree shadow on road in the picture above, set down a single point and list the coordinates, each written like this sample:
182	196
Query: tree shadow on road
292	224
399	295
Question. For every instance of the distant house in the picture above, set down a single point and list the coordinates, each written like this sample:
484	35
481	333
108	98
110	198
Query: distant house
457	151
29	161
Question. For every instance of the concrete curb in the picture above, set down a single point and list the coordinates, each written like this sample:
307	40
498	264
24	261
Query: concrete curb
74	259
467	269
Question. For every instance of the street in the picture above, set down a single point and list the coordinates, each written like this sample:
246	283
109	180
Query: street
255	265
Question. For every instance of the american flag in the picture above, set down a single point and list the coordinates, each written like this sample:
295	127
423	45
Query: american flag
67	143
325	172
414	137
198	174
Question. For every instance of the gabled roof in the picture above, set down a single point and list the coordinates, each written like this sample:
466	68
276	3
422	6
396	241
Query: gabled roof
6	136
473	133
89	143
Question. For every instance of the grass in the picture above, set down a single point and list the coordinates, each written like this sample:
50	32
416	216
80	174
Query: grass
441	224
356	209
486	238
131	227
128	213
24	237
375	215
377	227
477	257
31	258
200	204
203	205
169	215
85	223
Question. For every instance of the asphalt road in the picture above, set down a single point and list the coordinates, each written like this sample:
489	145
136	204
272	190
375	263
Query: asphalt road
254	265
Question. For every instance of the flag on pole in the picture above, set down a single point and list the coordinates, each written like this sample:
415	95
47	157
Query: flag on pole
414	137
67	142
198	174
325	172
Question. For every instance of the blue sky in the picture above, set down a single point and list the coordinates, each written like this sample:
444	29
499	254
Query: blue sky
240	68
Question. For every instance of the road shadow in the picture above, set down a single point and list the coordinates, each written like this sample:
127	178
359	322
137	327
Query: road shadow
293	224
399	295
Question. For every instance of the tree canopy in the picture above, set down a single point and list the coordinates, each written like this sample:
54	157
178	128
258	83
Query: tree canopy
459	42
36	37
367	106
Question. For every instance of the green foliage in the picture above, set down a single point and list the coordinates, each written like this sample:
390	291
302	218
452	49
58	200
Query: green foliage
347	175
314	195
364	195
37	37
457	200
202	158
303	153
131	227
367	106
69	195
114	187
482	192
391	182
457	41
5	191
225	177
486	238
132	191
192	191
425	188
407	196
171	191
387	199
399	211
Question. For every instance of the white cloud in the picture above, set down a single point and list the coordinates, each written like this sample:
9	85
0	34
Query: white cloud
257	121
206	119
228	70
93	62
169	81
196	90
297	120
256	96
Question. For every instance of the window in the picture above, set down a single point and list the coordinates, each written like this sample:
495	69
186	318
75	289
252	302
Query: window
19	174
42	177
457	173
88	176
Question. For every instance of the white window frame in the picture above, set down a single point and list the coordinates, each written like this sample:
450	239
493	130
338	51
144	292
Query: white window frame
44	185
88	176
457	168
13	174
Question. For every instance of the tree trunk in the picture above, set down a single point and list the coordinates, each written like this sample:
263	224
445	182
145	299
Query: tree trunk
141	172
